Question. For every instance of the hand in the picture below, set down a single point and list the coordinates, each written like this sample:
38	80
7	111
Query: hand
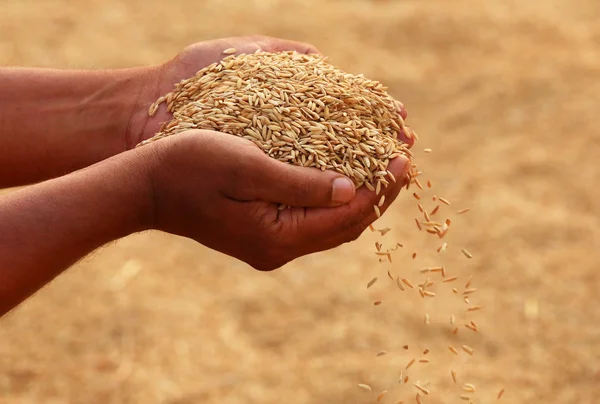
224	192
189	62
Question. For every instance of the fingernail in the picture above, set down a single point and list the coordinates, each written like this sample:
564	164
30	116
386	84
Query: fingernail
343	190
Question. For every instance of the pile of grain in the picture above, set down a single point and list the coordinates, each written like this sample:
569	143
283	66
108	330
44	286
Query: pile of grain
298	109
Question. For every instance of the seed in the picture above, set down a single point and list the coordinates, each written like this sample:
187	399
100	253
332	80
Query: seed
229	51
453	373
378	246
428	293
390	275
423	389
381	395
405	379
426	320
418	224
420	208
428	183
474	308
377	212
365	387
426	351
442	248
469	291
466	299
371	282
381	353
399	284
444	200
376	302
426	215
427	150
435	210
466	253
405	347
410	364
468	387
450	279
468	284
414	255
452	319
460	212
452	349
455	331
423	360
418	184
371	227
385	231
416	196
467	349
454	290
500	393
381	201
465	397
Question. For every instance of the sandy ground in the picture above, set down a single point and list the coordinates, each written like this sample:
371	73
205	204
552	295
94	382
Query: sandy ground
506	94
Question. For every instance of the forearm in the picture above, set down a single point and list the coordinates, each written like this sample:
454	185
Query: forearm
53	122
47	227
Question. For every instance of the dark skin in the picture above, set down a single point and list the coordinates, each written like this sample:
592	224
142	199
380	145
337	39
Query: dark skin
96	187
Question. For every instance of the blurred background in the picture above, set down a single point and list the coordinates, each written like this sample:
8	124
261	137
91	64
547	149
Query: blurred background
505	93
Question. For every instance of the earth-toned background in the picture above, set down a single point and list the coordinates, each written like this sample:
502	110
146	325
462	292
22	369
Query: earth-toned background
504	92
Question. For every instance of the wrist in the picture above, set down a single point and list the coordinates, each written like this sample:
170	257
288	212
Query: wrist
146	89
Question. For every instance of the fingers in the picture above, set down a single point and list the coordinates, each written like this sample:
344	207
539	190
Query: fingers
401	109
345	223
270	44
270	180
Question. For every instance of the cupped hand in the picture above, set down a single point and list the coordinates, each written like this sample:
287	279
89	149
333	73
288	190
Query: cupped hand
195	58
224	192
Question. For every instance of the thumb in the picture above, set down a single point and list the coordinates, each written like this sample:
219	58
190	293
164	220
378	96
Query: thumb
301	186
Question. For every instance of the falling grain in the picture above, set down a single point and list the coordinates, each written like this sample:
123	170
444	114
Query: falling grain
416	196
429	184
474	308
418	224
435	210
469	388
450	279
381	201
452	349
460	212
421	388
453	373
410	364
418	398
371	282
376	302
365	387
381	353
467	349
444	201
377	212
381	395
399	284
500	394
